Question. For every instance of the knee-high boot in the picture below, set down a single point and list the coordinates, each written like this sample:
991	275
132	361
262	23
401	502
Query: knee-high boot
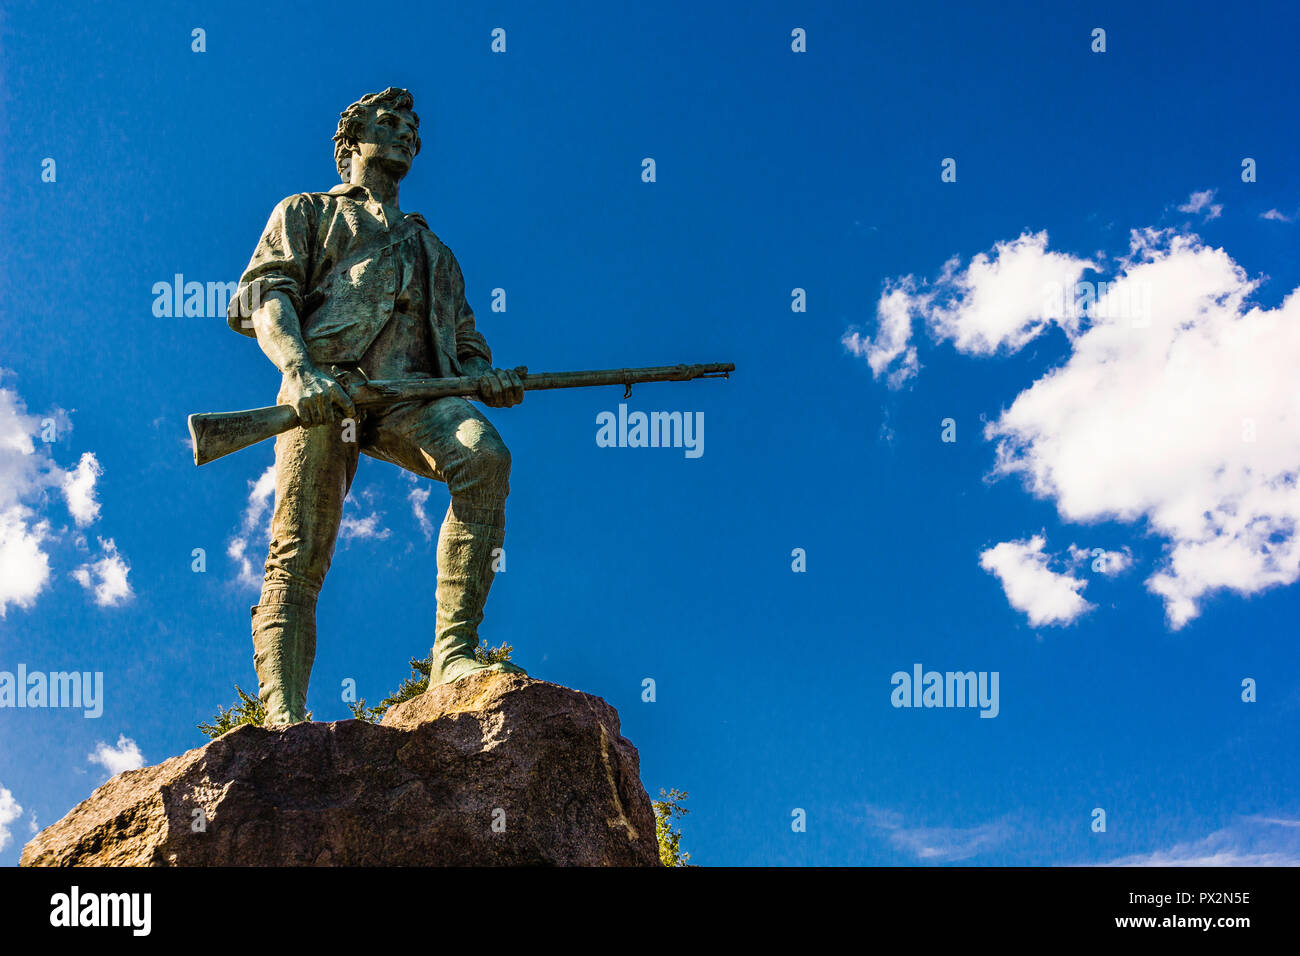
465	573
284	648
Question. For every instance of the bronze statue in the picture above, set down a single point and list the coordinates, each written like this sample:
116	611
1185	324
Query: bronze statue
362	309
345	279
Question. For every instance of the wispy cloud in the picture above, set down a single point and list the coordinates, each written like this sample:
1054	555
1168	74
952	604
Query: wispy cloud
1203	203
363	527
356	523
1248	841
937	844
106	577
419	497
1110	563
254	529
891	345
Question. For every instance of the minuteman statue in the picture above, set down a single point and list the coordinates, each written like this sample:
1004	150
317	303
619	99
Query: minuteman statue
344	279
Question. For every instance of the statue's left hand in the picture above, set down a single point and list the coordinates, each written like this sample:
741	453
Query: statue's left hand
501	388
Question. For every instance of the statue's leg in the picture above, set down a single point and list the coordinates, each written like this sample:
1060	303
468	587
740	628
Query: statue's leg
450	440
314	469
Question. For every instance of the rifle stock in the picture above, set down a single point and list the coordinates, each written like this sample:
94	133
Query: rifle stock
217	434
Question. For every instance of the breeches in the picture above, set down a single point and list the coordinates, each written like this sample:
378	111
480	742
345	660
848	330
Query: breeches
448	439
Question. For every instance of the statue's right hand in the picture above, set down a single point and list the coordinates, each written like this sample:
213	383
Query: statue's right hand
316	397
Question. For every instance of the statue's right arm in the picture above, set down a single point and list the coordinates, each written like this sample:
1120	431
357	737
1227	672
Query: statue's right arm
269	298
314	394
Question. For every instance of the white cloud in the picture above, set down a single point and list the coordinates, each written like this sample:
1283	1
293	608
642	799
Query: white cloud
1110	563
9	812
1202	202
1249	841
998	302
419	497
1043	595
248	544
1177	410
937	844
106	576
1275	216
894	321
24	566
25	473
1005	301
28	475
363	527
254	528
1188	423
124	756
23	470
79	490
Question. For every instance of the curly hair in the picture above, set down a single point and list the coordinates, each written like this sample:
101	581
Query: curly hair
352	122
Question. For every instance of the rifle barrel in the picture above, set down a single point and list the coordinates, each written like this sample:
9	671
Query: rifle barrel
380	392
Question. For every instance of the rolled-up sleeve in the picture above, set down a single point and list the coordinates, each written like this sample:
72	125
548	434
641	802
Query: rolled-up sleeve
280	263
469	341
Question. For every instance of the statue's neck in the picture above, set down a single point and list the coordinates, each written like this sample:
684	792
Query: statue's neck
379	184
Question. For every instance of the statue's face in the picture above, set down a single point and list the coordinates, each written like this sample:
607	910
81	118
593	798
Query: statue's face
388	140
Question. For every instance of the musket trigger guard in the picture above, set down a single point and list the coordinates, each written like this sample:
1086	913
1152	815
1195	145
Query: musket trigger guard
342	374
627	389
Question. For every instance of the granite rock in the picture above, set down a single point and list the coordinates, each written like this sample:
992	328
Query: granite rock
493	770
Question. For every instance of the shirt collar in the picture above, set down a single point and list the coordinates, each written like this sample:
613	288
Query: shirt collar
348	189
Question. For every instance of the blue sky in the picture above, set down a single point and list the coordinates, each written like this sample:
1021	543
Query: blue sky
775	171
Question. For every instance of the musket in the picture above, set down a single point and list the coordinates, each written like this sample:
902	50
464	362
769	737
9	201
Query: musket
217	434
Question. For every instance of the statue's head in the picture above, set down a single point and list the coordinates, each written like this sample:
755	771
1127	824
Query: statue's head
381	128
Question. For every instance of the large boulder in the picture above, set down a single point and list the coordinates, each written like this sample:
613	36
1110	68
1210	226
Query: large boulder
494	770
